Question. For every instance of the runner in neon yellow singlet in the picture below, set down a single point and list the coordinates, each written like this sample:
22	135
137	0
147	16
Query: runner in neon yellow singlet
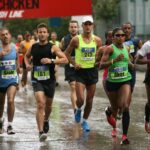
85	46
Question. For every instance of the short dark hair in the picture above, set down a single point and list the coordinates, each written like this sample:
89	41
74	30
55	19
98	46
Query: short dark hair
115	30
106	32
73	21
127	23
4	28
43	25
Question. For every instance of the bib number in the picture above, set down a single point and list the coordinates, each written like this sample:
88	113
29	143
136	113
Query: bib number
119	73
88	54
41	73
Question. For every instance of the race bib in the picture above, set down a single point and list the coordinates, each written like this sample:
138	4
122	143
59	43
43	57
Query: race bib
41	73
88	54
8	69
119	73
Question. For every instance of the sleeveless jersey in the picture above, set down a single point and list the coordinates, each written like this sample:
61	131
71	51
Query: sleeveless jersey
85	53
133	46
118	71
27	45
41	72
8	73
55	43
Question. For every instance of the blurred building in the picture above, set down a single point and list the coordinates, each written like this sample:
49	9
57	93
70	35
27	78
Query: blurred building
138	13
135	11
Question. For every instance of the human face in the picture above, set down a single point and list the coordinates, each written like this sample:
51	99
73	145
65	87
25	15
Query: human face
119	37
109	37
73	28
20	38
127	29
43	34
5	37
87	27
53	36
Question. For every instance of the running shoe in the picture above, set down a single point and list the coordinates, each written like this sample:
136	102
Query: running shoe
147	127
114	132
85	126
46	126
42	136
78	115
10	130
1	126
111	120
124	140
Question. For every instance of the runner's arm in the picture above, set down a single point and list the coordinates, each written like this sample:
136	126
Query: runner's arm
61	58
72	45
105	62
27	58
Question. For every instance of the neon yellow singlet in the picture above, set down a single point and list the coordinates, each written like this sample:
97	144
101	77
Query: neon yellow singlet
85	53
55	43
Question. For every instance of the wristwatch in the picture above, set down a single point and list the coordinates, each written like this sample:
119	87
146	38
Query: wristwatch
52	61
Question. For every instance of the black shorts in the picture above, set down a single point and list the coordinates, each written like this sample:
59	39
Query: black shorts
133	80
47	88
147	77
70	73
4	89
114	86
87	76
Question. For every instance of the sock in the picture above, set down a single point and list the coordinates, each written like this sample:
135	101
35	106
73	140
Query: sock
125	121
9	123
84	120
147	113
1	119
41	132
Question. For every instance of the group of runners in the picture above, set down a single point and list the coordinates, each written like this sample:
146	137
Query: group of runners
83	55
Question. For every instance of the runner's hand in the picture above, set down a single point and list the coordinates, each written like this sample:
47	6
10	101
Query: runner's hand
29	67
119	58
3	53
46	61
77	66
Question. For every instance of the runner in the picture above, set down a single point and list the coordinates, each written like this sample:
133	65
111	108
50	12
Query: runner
34	37
43	76
24	46
85	46
19	40
145	52
116	57
57	43
109	39
9	67
134	44
69	68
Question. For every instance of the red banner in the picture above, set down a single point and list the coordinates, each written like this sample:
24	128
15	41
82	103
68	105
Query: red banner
12	9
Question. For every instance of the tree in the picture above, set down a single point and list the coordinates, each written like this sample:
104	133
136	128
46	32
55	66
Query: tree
106	9
19	26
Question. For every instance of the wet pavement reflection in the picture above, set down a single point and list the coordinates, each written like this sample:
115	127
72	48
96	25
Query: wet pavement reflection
64	133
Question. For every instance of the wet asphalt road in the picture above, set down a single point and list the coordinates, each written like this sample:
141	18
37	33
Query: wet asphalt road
64	133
